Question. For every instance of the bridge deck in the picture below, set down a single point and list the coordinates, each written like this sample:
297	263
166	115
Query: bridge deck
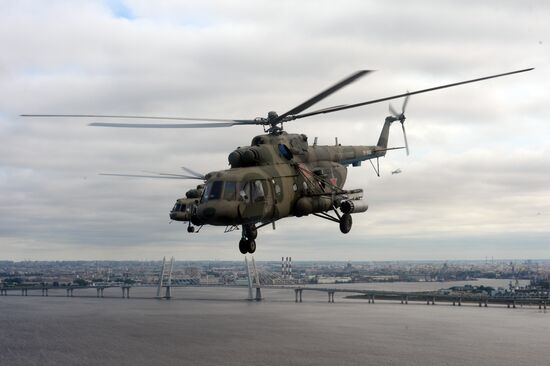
371	295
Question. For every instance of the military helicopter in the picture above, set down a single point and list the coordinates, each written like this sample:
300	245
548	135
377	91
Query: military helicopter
280	174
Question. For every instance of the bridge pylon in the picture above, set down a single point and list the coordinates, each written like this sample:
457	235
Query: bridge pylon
253	280
165	279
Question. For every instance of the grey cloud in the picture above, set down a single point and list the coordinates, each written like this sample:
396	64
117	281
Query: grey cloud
479	164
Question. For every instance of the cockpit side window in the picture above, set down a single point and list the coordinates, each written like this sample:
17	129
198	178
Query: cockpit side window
230	191
253	191
257	193
244	193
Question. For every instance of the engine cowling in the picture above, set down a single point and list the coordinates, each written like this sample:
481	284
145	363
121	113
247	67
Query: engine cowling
193	193
249	156
308	205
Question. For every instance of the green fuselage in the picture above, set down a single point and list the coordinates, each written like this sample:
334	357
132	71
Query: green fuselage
277	176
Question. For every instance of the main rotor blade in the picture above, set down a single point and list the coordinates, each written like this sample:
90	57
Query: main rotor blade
183	176
238	121
340	105
195	174
174	125
349	106
166	176
322	95
405	102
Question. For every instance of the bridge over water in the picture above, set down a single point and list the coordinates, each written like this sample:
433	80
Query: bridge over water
371	296
166	284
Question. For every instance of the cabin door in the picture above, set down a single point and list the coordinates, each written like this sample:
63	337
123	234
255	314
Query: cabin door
257	202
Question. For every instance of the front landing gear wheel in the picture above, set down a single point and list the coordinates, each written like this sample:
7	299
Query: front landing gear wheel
345	223
243	246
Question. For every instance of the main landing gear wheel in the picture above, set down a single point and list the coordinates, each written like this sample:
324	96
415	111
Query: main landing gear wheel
243	246
251	246
247	246
345	223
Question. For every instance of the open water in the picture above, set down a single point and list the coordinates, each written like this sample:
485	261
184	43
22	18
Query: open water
217	326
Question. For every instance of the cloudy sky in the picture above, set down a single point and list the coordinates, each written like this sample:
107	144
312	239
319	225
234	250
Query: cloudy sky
477	182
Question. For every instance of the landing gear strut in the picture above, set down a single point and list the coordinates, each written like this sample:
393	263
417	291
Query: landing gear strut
343	220
191	228
250	231
247	244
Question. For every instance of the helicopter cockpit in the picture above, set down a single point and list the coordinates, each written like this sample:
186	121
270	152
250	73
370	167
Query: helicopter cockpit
182	210
250	191
179	207
219	190
229	201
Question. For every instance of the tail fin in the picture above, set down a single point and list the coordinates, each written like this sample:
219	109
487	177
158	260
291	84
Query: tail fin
384	135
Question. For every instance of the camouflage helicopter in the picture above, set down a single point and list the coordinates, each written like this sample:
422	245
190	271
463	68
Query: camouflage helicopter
280	174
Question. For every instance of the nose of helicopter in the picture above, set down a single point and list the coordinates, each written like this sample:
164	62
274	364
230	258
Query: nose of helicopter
182	210
179	216
217	213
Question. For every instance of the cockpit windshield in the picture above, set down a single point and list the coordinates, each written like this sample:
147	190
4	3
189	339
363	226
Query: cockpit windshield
179	207
212	191
220	190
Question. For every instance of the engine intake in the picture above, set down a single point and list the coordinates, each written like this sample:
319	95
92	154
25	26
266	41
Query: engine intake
354	206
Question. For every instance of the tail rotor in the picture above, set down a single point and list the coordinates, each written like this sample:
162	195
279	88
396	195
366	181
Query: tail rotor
395	116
